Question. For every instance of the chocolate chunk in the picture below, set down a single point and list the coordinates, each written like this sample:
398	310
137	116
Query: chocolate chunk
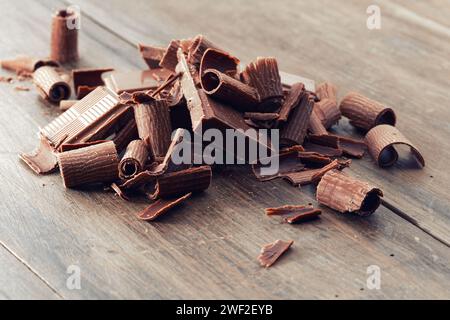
198	47
134	159
271	252
292	101
229	90
346	194
50	85
381	142
295	129
365	113
89	79
295	214
64	38
264	76
153	124
160	207
120	82
91	165
220	61
151	55
26	65
170	59
181	182
42	160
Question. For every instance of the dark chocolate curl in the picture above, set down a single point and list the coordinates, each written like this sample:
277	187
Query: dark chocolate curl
220	61
134	159
91	165
25	64
50	84
64	39
229	90
294	131
328	112
198	47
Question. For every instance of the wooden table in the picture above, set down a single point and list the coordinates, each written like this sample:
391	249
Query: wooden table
207	249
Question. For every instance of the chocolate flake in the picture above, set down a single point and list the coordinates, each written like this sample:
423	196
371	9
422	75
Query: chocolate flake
271	252
151	55
160	207
134	159
42	160
24	65
292	100
221	61
295	214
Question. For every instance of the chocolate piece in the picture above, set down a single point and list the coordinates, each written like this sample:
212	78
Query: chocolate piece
181	182
91	165
26	65
134	159
169	164
125	135
346	194
264	76
198	47
120	82
229	90
160	207
292	100
145	177
74	146
311	176
65	105
365	113
294	131
153	123
352	147
170	59
288	80
381	142
50	85
316	126
42	160
64	39
272	251
323	150
313	159
288	162
89	79
260	116
327	90
151	55
295	214
328	112
220	61
121	193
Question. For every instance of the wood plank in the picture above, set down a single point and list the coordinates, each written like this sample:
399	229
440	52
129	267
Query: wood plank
206	249
19	282
405	65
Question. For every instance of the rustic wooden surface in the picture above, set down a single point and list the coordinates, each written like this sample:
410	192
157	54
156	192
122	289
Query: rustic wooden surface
208	247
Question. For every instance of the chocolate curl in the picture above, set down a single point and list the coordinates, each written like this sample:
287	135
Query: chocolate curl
134	159
229	90
264	76
161	207
197	49
151	55
365	113
294	131
346	194
25	64
170	60
182	182
292	100
328	112
87	80
91	165
125	135
42	160
295	214
50	85
271	252
64	39
220	61
315	124
153	124
381	141
327	90
65	105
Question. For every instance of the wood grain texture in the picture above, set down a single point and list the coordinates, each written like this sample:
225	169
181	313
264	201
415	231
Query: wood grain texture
404	65
206	248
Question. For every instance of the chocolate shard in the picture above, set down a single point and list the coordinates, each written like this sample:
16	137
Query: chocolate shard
365	113
121	193
65	105
90	78
160	207
323	150
181	182
316	126
289	162
64	38
229	90
151	55
24	64
147	177
352	147
91	165
264	76
328	112
346	194
381	142
42	160
305	177
197	49
220	61
295	129
134	159
271	252
288	80
50	85
170	60
295	214
313	159
153	124
134	81
169	164
292	100
125	135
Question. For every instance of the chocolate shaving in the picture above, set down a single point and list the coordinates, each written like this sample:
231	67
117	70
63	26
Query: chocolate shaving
352	147
365	113
151	55
271	252
323	150
125	135
160	207
289	162
328	112
64	38
197	49
177	141
42	160
221	61
260	116
381	142
74	146
121	193
90	165
134	159
24	65
50	85
313	175
89	79
327	90
292	100
294	131
346	194
316	126
170	60
295	214
229	90
264	76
